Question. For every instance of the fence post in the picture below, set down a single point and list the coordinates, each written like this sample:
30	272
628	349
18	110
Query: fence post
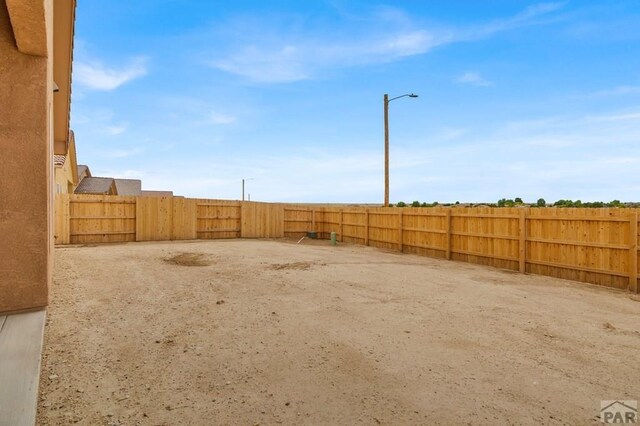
341	227
284	220
522	242
366	227
448	220
139	221
633	253
240	205
400	233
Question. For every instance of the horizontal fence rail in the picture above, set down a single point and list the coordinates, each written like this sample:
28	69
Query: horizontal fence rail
598	246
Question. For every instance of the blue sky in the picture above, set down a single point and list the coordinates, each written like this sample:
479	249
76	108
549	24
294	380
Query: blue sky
517	98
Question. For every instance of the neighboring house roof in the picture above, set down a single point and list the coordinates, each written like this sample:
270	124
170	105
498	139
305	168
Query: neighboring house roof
129	186
83	171
58	160
157	193
96	185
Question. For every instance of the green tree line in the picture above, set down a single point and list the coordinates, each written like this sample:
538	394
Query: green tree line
516	202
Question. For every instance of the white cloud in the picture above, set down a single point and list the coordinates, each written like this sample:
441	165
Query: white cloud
263	66
474	79
116	129
123	152
408	44
290	62
96	76
219	119
120	174
449	134
626	116
528	16
268	55
616	91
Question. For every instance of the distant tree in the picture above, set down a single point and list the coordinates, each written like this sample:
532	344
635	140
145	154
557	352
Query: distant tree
518	200
503	202
415	204
588	204
541	202
563	203
401	204
457	202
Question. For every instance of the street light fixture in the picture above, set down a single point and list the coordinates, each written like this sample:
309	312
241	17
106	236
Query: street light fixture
386	142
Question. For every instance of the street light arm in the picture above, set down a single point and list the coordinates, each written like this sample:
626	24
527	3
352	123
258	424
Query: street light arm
410	95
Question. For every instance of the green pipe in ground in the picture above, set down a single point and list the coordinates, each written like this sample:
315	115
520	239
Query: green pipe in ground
334	239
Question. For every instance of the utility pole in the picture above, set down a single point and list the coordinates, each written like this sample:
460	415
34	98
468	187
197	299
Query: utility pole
386	150
386	142
242	189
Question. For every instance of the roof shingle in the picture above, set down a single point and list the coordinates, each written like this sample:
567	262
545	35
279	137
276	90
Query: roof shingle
94	185
129	186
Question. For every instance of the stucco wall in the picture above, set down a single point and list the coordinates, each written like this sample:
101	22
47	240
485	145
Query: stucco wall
63	178
25	173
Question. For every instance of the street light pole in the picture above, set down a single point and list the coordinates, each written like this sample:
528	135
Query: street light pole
386	142
386	150
243	179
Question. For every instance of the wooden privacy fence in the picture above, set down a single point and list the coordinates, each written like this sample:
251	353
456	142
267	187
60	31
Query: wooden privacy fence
591	245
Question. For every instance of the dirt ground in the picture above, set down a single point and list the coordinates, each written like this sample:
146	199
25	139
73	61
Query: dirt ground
269	332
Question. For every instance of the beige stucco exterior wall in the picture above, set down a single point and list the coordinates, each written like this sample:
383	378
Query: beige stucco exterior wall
63	178
26	184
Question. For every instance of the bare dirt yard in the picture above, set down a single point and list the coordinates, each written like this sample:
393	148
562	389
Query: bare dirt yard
269	332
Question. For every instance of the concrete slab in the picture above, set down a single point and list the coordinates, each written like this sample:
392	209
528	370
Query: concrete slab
21	337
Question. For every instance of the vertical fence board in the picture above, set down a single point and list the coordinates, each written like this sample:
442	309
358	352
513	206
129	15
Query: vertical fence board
633	252
366	227
448	230
522	242
400	232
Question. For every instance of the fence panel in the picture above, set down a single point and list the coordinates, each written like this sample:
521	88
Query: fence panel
297	221
425	232
487	238
383	229
262	220
154	218
185	223
101	219
590	245
218	219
